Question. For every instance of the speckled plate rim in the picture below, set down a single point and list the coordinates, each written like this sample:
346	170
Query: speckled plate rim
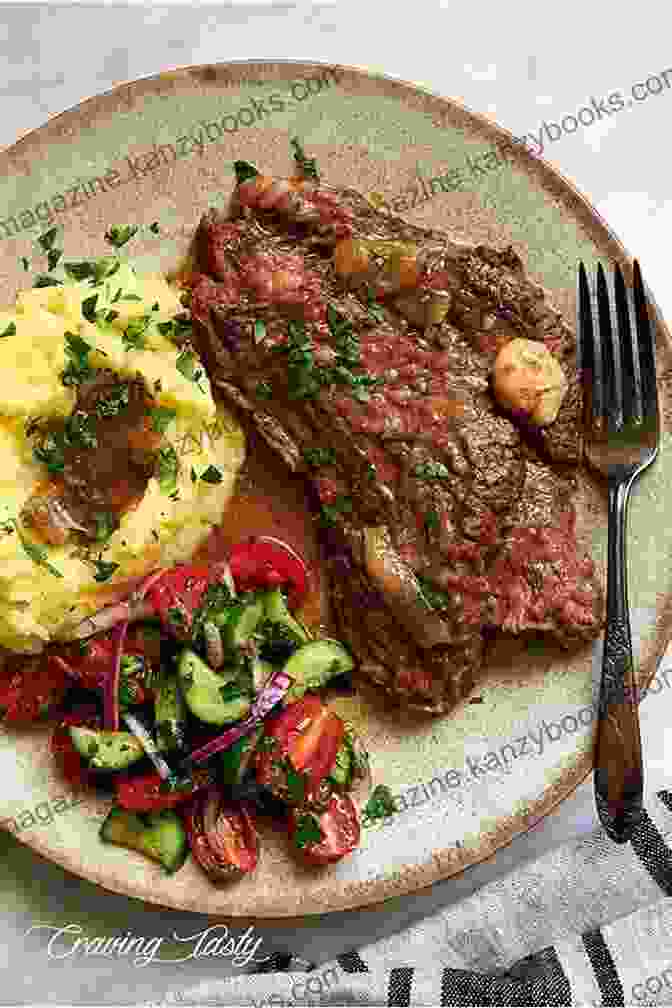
373	895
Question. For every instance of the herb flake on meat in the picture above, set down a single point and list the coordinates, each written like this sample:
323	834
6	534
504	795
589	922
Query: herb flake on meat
104	569
244	171
114	402
9	331
317	457
46	240
431	471
78	368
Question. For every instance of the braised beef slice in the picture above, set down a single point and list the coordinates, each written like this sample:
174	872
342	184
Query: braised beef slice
471	502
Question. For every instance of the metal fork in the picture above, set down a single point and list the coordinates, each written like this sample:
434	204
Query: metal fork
622	430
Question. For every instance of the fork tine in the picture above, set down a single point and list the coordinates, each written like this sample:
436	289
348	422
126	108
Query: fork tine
646	346
591	357
611	356
632	381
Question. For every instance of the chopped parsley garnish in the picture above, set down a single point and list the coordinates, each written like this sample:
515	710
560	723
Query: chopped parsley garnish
50	453
212	475
167	468
330	512
53	257
46	240
244	171
130	297
308	831
186	365
307	165
178	330
104	569
9	331
302	374
134	334
176	616
105	525
80	430
263	391
89	308
371	471
162	417
317	457
375	310
42	280
154	227
259	330
345	340
434	597
78	351
118	236
431	470
194	477
25	263
114	402
296	783
380	805
38	554
432	519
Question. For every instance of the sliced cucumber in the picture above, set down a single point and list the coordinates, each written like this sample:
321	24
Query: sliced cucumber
106	750
276	611
311	667
235	761
213	697
159	835
170	714
241	622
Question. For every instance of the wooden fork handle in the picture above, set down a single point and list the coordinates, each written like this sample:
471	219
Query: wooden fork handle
619	776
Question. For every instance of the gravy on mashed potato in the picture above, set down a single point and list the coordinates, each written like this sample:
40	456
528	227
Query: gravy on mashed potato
114	456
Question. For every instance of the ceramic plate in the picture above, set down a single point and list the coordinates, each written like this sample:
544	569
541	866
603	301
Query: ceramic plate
161	149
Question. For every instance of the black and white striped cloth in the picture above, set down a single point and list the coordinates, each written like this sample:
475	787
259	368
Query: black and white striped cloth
589	923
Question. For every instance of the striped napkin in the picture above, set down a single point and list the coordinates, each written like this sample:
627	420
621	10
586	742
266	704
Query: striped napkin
476	952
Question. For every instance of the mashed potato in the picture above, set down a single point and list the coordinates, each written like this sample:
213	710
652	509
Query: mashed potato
131	329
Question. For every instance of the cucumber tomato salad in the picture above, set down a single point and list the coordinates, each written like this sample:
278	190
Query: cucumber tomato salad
197	701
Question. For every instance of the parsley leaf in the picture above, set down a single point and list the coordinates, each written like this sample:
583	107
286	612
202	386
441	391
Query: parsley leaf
230	691
263	391
46	240
380	805
212	475
433	596
78	368
50	452
259	330
89	308
308	831
432	519
431	470
114	402
307	165
80	430
178	330
134	333
244	171
25	263
296	782
38	554
186	365
42	280
154	227
105	525
9	331
104	570
317	457
167	469
118	236
53	257
162	417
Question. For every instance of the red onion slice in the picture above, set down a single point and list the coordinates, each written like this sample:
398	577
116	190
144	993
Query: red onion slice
111	684
265	702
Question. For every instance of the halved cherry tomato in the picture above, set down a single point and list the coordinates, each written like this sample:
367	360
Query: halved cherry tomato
91	665
307	734
67	759
145	793
30	687
223	839
340	828
178	593
266	562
